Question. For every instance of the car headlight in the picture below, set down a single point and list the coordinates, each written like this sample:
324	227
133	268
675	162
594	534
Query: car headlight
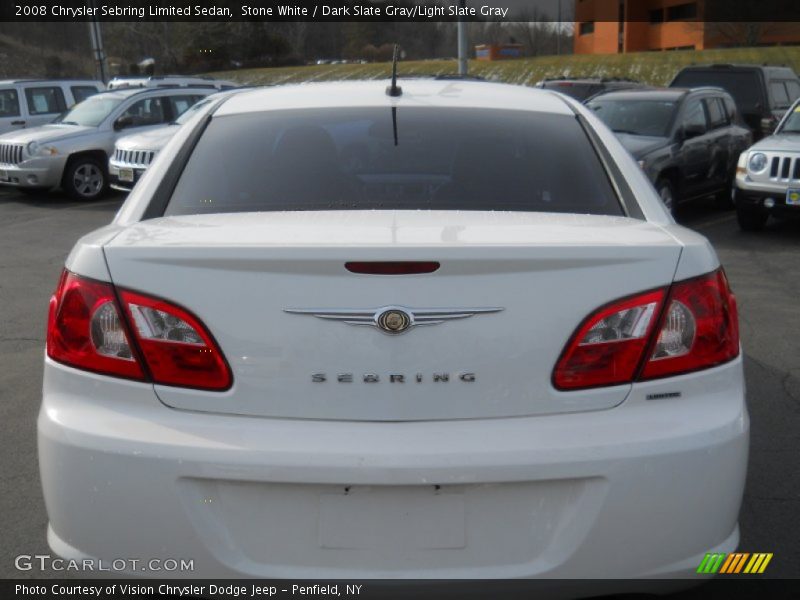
37	149
758	162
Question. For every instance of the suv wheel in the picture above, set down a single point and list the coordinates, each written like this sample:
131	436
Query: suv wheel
666	191
85	178
751	218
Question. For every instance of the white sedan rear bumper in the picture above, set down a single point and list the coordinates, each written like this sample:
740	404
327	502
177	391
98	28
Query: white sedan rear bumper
641	490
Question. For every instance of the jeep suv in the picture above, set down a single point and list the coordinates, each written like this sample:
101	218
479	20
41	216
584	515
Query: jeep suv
762	93
73	151
686	141
768	175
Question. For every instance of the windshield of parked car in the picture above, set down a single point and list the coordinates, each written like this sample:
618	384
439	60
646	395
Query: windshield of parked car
792	122
411	158
92	111
742	85
635	116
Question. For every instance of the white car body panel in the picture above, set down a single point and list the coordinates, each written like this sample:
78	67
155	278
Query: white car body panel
280	476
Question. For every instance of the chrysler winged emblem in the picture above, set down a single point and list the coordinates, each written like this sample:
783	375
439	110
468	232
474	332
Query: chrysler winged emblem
392	319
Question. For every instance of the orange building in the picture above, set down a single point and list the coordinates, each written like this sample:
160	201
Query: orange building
615	26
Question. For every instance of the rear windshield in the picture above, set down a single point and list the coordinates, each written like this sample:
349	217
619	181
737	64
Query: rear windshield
744	86
412	158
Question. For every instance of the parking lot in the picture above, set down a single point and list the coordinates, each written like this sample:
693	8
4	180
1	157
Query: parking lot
37	232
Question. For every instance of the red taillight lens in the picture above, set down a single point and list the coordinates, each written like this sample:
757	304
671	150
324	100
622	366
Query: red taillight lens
177	348
607	348
694	326
87	330
699	329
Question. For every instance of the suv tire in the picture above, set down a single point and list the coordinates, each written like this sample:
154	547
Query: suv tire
751	218
85	178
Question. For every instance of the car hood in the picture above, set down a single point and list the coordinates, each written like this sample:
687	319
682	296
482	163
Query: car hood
51	133
155	139
781	142
640	145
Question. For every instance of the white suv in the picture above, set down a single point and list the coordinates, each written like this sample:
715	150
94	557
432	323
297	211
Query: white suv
73	151
32	102
768	175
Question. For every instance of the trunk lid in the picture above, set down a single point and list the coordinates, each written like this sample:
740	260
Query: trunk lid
239	273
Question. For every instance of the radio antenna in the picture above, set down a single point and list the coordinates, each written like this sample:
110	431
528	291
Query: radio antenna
393	90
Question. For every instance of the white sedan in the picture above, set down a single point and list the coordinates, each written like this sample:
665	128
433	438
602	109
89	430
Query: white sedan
447	333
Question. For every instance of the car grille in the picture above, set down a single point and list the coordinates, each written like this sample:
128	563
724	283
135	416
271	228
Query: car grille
10	154
784	168
134	158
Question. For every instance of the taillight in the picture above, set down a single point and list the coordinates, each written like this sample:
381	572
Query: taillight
699	328
150	339
85	329
692	325
177	348
607	348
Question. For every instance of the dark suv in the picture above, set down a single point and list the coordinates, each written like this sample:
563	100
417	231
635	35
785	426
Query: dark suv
687	141
585	88
763	94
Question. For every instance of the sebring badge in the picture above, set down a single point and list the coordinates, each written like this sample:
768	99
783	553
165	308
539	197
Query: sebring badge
392	319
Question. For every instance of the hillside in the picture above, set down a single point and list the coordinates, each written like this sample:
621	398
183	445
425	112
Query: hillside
656	68
21	60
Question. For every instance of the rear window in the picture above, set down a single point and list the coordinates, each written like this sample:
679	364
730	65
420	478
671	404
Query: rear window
423	158
744	86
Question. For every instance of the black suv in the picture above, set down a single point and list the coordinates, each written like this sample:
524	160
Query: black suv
584	88
763	94
687	141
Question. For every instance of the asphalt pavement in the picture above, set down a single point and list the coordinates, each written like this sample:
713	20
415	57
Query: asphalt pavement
37	232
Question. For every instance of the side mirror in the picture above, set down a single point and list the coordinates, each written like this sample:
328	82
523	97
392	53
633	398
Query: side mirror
123	122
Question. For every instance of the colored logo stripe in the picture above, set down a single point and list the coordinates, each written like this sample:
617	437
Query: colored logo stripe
758	563
711	563
736	562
